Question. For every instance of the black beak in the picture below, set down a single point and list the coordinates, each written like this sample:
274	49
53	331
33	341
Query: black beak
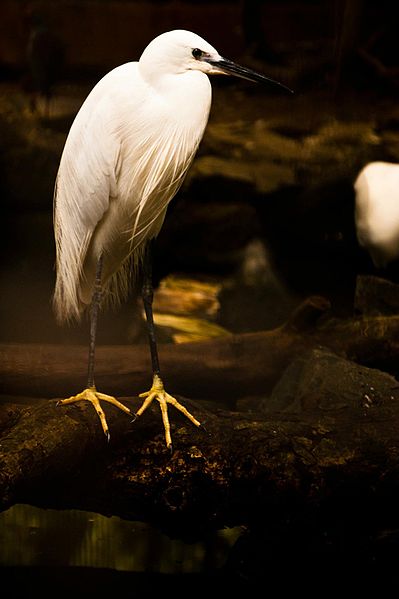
229	67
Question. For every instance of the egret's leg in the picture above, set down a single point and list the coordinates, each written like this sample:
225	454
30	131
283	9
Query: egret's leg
94	308
90	393
157	390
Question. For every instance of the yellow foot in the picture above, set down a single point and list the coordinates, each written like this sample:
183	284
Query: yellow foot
158	392
93	396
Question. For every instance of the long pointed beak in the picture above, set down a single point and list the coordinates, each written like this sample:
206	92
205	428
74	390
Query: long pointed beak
228	67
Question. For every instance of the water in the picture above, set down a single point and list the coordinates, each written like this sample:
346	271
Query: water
32	536
90	552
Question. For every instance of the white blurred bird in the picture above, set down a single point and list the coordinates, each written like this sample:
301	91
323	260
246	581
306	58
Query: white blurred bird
125	157
377	211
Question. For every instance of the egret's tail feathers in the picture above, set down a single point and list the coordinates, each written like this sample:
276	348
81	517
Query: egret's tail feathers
70	301
67	306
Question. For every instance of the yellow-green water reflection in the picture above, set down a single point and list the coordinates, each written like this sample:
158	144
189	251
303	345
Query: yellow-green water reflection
31	536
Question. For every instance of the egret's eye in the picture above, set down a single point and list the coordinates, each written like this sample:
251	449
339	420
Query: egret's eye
197	53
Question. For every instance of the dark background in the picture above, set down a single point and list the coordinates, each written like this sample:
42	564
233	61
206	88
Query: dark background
273	169
266	212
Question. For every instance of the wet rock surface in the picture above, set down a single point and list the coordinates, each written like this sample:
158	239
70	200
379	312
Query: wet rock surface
321	380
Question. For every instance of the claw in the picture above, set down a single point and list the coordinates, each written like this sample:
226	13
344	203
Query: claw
202	427
158	392
94	397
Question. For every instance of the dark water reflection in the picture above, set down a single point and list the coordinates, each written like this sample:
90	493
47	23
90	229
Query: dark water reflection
35	537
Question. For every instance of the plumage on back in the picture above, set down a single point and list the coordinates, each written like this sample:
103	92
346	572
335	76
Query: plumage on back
125	157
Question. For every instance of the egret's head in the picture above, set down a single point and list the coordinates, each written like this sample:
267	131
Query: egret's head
176	52
179	51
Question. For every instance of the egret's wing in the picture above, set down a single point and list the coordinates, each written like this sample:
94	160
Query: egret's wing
86	182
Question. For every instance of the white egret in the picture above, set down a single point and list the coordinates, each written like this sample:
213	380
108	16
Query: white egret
377	211
126	155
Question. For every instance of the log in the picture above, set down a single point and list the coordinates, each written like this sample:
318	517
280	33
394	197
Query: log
225	369
229	366
248	469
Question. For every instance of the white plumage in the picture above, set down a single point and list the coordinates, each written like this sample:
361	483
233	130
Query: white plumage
377	211
125	157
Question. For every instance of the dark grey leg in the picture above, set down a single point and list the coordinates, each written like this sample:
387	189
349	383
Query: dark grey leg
90	393
147	295
157	390
95	305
